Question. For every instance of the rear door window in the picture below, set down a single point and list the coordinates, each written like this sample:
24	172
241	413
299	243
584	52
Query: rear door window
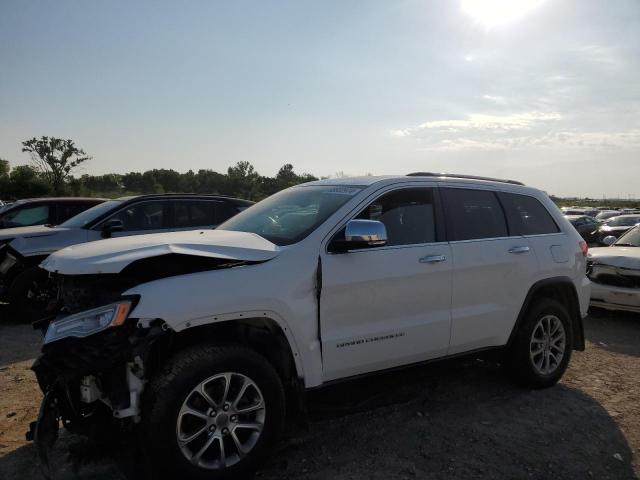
194	213
473	214
527	216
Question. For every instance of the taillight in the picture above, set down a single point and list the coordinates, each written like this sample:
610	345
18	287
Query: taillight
584	248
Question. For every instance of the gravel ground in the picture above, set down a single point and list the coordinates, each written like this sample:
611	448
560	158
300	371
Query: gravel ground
454	419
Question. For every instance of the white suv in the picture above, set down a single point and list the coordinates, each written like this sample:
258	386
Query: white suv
204	340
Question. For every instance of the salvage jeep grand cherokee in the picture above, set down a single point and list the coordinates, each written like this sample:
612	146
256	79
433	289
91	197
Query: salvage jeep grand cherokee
203	341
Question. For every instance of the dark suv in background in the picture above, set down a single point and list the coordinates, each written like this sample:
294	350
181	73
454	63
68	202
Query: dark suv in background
44	211
24	285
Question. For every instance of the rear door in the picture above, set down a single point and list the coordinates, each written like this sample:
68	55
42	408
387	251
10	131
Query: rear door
492	269
193	214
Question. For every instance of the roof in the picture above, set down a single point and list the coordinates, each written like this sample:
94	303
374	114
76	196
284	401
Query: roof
368	180
22	201
364	181
182	195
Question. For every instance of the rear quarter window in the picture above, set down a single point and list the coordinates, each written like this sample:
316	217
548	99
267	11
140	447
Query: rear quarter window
527	216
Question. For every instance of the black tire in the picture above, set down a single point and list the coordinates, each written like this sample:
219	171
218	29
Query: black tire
519	360
166	393
30	294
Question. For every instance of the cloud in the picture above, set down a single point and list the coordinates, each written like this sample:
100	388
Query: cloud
480	122
521	131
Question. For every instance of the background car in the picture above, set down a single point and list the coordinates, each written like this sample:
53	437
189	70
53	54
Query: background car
586	226
24	285
614	272
43	211
591	212
616	226
607	214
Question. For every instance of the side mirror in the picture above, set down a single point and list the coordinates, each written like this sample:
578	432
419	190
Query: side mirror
110	226
609	240
361	234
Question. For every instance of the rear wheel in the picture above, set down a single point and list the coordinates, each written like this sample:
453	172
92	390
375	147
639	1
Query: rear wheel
213	413
542	348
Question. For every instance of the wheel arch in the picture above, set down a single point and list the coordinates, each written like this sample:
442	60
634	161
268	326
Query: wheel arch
263	334
563	290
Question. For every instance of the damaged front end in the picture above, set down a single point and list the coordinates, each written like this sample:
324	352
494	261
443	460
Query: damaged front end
614	286
92	371
96	357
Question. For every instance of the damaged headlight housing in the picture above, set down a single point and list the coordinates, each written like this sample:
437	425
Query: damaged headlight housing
87	323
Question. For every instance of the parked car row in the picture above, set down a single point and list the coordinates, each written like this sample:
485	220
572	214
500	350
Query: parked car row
26	287
605	232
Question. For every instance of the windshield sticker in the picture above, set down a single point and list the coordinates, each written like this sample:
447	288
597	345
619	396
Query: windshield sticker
343	190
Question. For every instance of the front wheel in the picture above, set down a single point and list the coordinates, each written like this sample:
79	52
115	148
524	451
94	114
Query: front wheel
542	347
213	413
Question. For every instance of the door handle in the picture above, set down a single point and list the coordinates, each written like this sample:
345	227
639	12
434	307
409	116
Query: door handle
519	249
432	259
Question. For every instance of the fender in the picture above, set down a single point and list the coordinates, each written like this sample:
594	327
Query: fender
572	303
234	316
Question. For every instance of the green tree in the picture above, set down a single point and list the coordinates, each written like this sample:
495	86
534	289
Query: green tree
25	182
5	168
55	159
243	181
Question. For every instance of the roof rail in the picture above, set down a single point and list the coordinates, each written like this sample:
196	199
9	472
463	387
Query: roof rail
468	177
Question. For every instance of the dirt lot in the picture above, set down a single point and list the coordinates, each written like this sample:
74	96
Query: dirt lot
455	419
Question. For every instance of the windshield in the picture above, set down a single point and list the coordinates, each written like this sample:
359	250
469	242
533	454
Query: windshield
623	221
630	238
290	215
87	216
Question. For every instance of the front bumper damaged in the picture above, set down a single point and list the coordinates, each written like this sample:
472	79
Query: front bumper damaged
93	383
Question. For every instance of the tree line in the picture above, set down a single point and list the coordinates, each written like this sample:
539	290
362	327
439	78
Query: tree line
55	162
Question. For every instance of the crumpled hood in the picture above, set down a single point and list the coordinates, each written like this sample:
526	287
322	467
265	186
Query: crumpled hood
621	257
112	255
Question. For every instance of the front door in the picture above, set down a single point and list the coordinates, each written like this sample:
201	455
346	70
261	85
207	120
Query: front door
388	306
148	216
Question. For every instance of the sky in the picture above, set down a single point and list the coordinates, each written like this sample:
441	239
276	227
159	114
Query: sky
543	91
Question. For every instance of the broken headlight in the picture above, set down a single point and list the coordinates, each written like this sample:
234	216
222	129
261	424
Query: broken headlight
87	323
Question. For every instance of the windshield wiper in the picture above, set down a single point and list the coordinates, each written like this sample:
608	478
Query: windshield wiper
625	245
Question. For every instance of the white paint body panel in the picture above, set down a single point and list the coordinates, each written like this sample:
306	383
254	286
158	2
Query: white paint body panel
489	288
379	293
382	308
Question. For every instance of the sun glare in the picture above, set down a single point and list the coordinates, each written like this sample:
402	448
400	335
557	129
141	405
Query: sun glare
494	13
